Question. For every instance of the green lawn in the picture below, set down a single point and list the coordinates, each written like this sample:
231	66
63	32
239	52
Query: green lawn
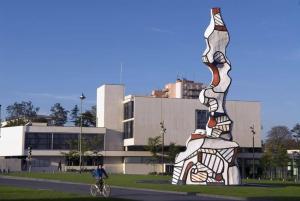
8	193
277	190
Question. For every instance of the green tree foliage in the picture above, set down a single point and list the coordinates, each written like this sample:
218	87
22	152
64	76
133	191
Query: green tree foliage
59	115
173	150
154	146
24	110
296	133
74	116
275	158
88	117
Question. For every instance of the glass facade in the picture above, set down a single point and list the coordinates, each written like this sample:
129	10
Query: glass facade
63	141
201	119
128	129
128	125
128	110
39	141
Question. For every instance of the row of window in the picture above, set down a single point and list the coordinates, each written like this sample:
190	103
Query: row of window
61	141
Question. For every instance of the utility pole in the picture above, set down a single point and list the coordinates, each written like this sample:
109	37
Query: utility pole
253	133
82	97
163	132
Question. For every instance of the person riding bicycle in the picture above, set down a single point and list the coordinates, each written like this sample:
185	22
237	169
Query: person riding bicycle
98	174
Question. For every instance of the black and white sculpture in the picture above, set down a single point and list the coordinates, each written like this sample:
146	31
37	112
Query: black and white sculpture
210	156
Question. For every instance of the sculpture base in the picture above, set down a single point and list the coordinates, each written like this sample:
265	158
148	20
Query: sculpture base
207	161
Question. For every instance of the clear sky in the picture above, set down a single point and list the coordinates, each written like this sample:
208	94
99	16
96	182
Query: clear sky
51	51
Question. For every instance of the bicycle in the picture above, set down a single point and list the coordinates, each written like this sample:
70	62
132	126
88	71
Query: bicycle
96	191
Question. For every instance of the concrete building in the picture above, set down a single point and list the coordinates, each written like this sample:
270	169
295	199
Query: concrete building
124	124
182	88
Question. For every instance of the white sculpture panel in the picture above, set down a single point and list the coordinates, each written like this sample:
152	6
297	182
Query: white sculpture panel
210	156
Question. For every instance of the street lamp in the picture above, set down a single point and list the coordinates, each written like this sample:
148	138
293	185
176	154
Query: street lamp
253	133
82	97
163	132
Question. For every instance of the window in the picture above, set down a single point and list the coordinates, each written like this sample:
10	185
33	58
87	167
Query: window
65	141
128	110
93	142
128	129
201	119
40	163
38	140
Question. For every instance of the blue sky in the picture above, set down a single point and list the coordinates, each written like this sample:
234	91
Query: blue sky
51	51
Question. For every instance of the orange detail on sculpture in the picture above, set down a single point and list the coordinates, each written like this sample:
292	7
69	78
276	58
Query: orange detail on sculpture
216	76
195	136
215	11
211	122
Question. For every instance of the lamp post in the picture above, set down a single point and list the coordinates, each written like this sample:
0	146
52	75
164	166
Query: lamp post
253	133
82	97
163	132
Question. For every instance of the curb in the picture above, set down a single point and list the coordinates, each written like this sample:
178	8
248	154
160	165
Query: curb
129	188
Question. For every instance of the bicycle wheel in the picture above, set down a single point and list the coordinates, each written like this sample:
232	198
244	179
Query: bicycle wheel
106	190
93	190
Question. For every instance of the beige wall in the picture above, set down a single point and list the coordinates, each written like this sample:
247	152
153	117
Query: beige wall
138	168
110	107
179	118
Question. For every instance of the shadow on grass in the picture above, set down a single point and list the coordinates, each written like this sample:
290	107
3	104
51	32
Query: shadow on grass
283	198
68	199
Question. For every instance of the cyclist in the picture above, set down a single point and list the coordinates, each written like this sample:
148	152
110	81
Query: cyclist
98	174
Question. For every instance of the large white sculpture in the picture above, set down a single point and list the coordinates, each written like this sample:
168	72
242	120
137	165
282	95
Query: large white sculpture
210	156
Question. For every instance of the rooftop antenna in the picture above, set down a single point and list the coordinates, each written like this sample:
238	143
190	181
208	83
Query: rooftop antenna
121	72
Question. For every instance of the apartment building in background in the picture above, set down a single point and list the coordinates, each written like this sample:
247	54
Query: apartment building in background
182	88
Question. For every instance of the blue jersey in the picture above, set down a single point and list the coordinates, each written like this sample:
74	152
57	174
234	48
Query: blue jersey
98	173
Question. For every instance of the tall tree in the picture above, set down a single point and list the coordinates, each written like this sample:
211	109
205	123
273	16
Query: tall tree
275	156
88	119
74	116
296	133
25	110
58	115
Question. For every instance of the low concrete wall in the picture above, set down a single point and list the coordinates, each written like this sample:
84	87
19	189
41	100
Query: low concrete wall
10	164
110	168
138	168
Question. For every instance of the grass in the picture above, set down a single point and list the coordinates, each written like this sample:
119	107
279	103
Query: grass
275	190
8	193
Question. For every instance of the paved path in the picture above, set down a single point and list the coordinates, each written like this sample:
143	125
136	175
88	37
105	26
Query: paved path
117	192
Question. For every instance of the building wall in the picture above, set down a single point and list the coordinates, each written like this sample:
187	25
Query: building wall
11	164
110	107
140	168
113	140
12	141
179	118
